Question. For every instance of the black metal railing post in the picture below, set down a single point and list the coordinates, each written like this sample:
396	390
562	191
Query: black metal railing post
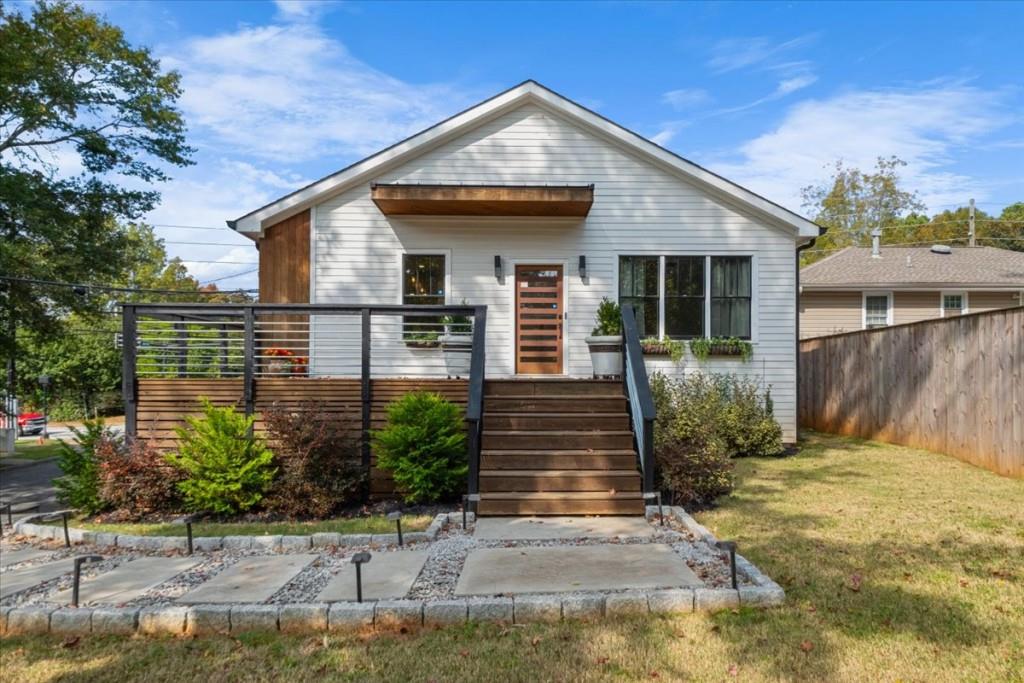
366	392
249	360
129	386
475	398
638	389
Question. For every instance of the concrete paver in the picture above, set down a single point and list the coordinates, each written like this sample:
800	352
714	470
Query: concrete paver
129	580
251	579
9	557
541	528
16	580
492	571
386	575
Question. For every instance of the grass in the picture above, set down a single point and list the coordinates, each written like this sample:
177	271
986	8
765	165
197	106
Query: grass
33	450
376	524
899	565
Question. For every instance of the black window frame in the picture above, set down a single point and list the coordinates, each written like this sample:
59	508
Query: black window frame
732	298
671	296
643	299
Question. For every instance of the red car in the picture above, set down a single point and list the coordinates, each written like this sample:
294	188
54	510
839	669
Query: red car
28	423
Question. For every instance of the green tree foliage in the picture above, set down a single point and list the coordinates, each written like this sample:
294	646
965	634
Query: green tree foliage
70	84
79	485
227	469
424	447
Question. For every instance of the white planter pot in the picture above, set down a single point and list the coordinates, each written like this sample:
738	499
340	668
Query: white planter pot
458	352
606	355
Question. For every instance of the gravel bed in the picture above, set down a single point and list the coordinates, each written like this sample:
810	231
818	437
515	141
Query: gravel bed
437	580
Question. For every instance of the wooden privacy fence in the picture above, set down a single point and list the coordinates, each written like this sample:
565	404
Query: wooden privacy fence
952	385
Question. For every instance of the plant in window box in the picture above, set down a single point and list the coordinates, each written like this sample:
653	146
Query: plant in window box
457	344
605	341
704	348
673	348
422	340
280	361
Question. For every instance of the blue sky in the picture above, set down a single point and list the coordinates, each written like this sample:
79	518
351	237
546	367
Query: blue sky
279	94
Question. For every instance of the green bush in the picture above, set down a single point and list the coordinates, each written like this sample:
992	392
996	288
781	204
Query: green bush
320	463
608	319
703	421
79	486
424	447
227	469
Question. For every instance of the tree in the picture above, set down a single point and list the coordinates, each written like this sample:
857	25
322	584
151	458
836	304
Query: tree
853	203
70	84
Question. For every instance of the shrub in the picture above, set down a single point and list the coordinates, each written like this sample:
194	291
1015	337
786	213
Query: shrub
608	319
226	468
137	479
703	421
424	447
79	487
318	458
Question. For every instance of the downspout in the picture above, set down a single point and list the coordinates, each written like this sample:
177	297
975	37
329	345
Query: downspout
796	347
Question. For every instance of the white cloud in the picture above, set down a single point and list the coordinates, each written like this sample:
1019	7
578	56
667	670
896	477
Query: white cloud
301	10
686	98
290	93
739	53
928	127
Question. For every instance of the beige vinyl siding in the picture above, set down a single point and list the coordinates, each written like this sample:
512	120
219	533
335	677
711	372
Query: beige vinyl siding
991	301
910	307
639	208
824	313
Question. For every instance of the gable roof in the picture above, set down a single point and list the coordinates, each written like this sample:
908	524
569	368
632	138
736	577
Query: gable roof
253	222
965	267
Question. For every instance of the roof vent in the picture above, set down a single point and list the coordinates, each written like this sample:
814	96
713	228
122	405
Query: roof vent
942	249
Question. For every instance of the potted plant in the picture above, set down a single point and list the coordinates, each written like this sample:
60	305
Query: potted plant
605	340
673	348
457	344
280	361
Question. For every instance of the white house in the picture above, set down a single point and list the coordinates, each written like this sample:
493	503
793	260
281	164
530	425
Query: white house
531	191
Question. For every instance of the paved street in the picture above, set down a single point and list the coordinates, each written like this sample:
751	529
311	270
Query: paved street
30	483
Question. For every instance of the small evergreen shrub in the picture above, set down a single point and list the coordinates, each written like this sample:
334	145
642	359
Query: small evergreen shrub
227	469
320	465
424	447
79	486
136	479
608	319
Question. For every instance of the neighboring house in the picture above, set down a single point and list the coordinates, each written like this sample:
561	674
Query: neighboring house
860	287
537	207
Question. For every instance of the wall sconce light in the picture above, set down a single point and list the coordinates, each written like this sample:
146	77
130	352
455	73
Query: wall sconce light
583	267
498	272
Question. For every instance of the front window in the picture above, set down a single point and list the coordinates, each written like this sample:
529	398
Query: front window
730	296
638	287
876	311
423	277
684	297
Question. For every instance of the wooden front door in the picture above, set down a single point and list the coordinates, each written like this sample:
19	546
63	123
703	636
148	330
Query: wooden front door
539	316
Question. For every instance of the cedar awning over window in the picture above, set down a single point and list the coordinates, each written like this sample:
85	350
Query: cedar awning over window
483	200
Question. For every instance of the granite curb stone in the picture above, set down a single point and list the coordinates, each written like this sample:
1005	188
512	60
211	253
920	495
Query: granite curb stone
714	599
348	616
445	612
302	618
163	620
671	600
254	618
71	621
626	604
115	620
490	609
28	620
528	609
398	613
208	619
585	606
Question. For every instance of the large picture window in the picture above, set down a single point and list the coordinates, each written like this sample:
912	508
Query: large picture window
730	296
638	287
698	296
423	283
684	297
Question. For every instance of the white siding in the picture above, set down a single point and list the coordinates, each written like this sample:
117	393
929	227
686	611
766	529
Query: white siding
638	208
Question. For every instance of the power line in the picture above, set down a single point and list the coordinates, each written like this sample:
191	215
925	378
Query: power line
187	227
111	288
228	277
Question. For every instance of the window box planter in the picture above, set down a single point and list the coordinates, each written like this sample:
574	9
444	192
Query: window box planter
655	349
703	349
725	350
422	343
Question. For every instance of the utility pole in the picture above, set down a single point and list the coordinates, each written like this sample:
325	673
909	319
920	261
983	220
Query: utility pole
970	224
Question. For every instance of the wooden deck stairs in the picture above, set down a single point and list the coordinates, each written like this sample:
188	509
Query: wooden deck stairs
558	447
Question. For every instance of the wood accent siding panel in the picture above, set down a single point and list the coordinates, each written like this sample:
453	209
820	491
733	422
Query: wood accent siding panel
639	208
164	404
824	313
949	385
284	261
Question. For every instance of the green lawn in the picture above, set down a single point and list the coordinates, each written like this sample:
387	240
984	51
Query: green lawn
376	524
33	450
899	565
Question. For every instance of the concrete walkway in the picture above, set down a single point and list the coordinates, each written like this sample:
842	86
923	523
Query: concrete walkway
128	581
16	580
387	575
251	579
513	571
560	528
9	557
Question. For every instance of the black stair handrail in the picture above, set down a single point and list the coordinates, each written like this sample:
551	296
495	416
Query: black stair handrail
475	399
638	391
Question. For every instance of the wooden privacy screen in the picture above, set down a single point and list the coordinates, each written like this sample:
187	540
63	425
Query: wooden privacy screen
539	313
953	385
164	404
